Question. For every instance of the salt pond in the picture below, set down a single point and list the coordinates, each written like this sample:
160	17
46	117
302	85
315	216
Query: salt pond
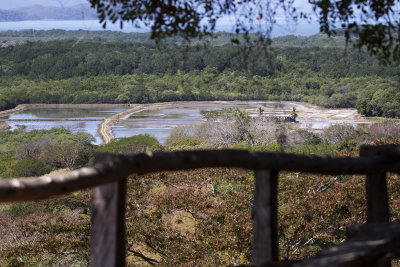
84	119
159	122
160	119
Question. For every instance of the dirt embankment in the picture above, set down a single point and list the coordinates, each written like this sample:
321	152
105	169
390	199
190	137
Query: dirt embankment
22	107
14	110
105	129
4	113
74	105
4	126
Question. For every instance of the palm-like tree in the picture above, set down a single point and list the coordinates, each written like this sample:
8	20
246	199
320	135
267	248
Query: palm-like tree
293	114
260	111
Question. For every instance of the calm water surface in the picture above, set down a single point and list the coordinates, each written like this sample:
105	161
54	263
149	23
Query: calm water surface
89	127
59	113
161	122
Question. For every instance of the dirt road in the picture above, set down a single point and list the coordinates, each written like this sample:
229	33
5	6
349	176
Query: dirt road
105	129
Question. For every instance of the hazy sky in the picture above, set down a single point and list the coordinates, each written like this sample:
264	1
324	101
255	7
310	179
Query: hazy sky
8	4
302	5
225	24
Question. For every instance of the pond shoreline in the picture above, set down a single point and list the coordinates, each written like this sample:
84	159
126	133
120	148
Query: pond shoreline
307	113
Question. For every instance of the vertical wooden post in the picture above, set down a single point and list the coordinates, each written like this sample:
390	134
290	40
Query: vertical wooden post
377	198
377	204
107	245
376	192
265	218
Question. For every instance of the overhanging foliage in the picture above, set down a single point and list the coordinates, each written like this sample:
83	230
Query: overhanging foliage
375	22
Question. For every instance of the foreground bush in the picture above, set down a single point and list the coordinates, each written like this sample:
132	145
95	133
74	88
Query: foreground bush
29	168
186	143
191	218
38	152
134	144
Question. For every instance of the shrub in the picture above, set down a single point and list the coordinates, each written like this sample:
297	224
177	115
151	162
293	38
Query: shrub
28	168
388	129
5	163
274	147
337	132
19	209
181	131
134	144
301	136
241	145
347	144
218	134
187	142
314	149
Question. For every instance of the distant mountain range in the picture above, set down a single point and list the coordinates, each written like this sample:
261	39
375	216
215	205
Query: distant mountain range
38	12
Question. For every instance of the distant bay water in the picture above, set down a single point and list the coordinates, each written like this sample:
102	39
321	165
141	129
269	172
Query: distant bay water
93	25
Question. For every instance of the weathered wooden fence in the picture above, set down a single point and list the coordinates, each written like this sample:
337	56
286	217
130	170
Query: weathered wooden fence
372	244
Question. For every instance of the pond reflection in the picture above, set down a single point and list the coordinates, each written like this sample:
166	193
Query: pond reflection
34	115
160	122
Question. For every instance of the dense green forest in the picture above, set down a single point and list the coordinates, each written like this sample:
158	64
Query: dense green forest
217	39
105	71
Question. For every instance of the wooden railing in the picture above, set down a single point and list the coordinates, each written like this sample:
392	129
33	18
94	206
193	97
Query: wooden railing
108	177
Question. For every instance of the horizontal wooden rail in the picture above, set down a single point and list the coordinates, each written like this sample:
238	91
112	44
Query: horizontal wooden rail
110	168
367	250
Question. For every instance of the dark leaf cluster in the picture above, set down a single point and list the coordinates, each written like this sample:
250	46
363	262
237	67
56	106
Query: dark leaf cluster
375	23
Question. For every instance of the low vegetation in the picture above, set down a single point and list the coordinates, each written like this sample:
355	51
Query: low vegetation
197	216
41	151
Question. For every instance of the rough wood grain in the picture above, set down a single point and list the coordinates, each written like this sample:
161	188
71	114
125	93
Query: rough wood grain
107	244
265	218
356	230
377	198
388	150
367	250
117	167
376	186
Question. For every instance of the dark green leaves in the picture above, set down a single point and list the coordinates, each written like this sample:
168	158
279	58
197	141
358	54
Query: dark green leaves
375	22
